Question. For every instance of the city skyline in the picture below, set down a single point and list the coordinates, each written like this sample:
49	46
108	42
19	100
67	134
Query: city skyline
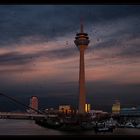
38	56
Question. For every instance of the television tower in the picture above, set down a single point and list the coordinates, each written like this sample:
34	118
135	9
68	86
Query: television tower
82	41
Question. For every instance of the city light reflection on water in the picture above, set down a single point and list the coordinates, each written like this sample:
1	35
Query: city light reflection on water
28	127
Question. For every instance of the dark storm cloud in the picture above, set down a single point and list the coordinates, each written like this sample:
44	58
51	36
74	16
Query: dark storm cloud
60	54
127	42
17	58
126	50
133	51
121	35
54	21
16	70
33	24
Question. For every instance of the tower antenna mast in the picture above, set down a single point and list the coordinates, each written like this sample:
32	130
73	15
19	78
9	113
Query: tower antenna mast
81	25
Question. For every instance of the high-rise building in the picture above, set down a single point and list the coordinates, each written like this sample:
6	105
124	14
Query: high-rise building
116	107
87	108
33	104
82	41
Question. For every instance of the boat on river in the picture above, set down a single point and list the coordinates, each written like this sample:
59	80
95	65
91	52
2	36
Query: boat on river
102	127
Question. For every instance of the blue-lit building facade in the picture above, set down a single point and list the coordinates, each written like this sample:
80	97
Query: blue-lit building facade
134	112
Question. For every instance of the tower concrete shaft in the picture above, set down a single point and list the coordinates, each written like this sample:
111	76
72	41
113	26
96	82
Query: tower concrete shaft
81	41
82	95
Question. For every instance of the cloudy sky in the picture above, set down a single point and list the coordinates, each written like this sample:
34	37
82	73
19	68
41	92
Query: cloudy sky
38	55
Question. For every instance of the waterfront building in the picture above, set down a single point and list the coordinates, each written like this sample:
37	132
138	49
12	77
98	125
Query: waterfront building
33	104
65	108
133	111
98	113
87	108
116	108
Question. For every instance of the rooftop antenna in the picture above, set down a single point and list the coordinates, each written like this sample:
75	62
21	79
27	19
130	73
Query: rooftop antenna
81	25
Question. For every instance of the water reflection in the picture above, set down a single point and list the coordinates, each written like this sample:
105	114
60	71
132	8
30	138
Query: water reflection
28	127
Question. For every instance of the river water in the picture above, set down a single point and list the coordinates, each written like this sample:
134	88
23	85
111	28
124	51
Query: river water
28	127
